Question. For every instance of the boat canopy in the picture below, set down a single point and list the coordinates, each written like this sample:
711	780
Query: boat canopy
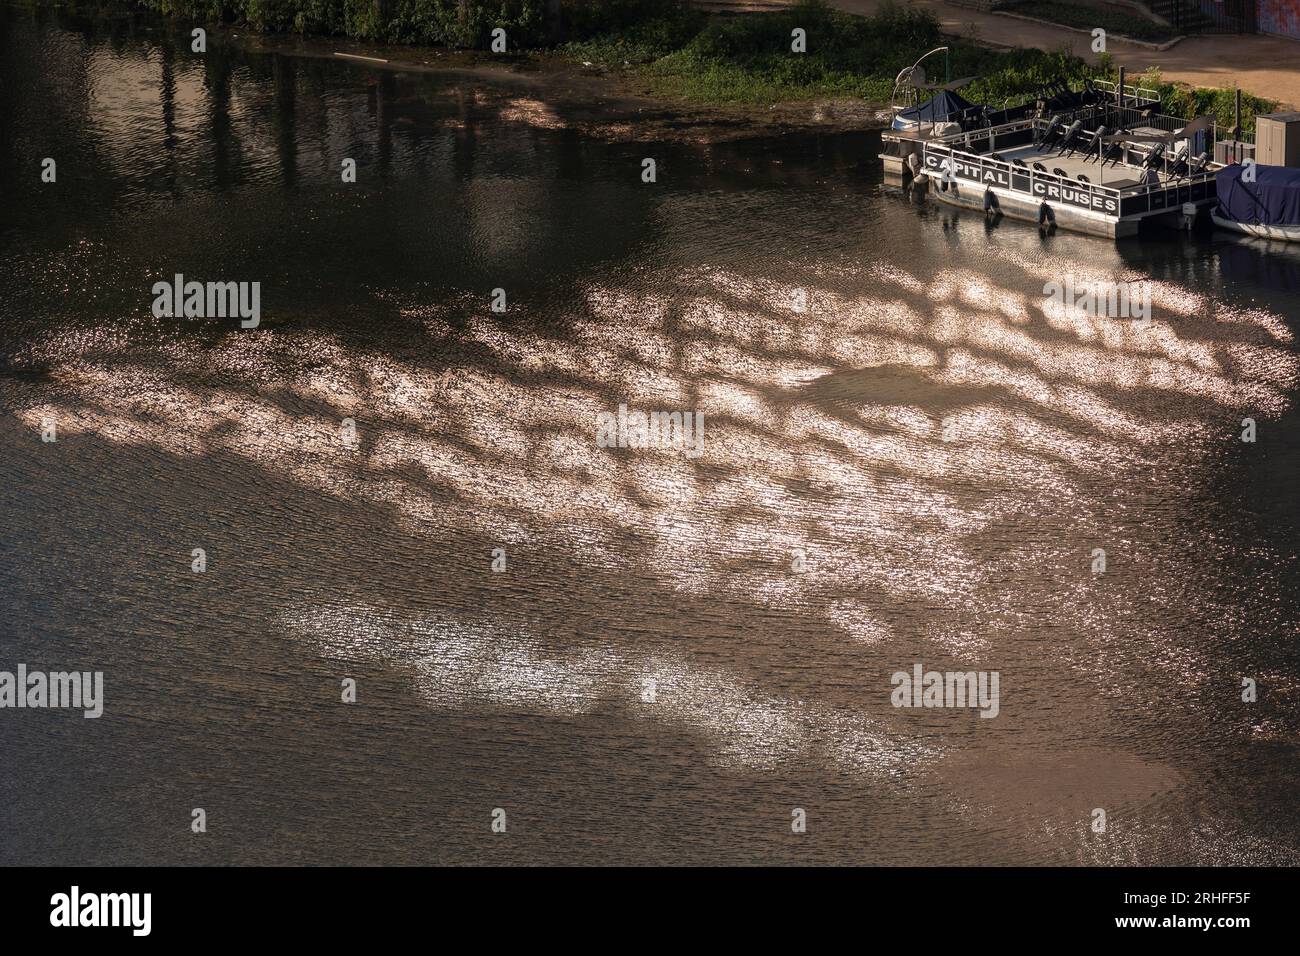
1273	199
942	108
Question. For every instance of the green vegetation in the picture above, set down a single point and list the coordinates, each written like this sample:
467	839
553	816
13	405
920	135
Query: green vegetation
748	58
1088	16
676	50
1178	100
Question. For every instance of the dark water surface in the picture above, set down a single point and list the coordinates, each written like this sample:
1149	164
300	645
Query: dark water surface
886	392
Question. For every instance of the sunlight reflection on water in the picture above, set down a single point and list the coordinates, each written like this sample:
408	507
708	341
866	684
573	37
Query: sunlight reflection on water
888	395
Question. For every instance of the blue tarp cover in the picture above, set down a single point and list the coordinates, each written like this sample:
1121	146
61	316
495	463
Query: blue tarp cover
1273	199
939	109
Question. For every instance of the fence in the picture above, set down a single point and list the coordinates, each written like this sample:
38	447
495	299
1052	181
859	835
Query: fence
1210	16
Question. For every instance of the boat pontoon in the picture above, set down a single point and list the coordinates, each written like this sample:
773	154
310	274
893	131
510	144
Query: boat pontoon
1100	161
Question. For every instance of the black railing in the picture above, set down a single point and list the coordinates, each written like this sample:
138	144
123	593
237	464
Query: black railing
1210	16
1129	118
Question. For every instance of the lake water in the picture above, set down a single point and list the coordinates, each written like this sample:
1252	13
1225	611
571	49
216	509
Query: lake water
910	457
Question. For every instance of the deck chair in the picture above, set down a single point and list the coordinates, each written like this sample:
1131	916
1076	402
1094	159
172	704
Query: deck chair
1019	162
1114	152
1068	137
1153	157
998	156
1178	165
1058	171
1055	127
1198	164
1090	147
1040	167
1083	179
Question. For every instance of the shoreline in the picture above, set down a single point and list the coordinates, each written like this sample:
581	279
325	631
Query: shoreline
719	95
613	104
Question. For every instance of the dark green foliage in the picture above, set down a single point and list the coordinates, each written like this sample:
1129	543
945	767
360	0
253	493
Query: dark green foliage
837	42
1185	101
456	23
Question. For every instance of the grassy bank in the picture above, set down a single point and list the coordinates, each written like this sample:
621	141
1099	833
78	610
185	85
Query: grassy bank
748	59
672	49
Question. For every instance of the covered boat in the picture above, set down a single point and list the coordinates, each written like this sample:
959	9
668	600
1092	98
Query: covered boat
1268	206
944	107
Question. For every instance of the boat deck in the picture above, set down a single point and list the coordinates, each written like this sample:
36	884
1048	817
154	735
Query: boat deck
1112	176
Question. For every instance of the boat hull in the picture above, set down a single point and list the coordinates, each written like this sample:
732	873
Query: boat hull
1030	209
1285	233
